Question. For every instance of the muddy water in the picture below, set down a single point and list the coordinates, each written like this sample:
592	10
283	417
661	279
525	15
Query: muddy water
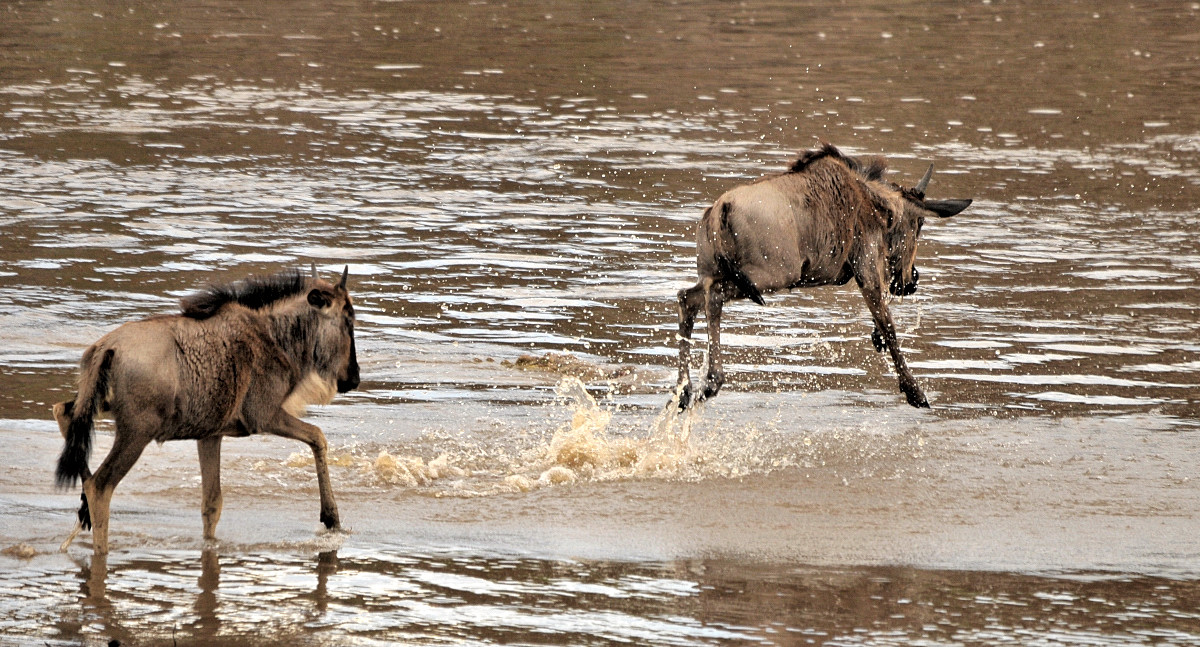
510	180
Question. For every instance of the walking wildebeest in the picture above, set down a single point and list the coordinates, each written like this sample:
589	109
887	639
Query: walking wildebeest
240	359
828	219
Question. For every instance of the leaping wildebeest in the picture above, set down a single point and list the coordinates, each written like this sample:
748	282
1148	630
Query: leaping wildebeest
240	359
828	219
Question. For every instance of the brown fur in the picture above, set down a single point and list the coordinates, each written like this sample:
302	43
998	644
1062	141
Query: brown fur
829	219
239	360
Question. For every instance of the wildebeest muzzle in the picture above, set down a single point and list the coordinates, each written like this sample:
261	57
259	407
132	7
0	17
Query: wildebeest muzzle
900	288
350	382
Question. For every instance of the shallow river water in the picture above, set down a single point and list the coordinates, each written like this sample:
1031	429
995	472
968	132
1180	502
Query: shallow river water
514	187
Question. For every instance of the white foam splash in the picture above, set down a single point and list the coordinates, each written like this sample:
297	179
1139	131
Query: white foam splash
591	447
392	469
411	471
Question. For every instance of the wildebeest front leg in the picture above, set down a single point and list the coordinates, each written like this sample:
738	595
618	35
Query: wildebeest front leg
690	301
289	426
210	484
887	332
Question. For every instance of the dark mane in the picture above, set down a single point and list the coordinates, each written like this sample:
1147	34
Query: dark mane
254	292
872	168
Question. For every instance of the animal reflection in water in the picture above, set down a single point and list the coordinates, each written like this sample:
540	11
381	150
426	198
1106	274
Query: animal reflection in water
240	359
208	608
828	219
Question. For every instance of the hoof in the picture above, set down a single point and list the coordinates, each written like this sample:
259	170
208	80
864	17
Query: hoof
917	400
686	397
330	520
712	386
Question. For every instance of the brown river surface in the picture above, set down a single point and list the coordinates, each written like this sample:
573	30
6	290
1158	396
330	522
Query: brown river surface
523	178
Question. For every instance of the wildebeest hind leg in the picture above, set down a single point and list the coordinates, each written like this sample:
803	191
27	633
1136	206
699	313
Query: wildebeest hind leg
690	302
288	426
714	300
98	490
210	483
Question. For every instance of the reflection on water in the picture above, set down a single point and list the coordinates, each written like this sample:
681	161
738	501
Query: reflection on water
443	597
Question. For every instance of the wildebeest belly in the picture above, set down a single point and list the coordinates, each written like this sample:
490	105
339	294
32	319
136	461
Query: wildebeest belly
841	277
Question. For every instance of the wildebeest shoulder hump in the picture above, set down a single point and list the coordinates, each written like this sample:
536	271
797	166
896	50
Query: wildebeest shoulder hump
872	168
254	292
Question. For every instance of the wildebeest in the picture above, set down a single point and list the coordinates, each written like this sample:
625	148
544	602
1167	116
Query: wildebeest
828	219
240	359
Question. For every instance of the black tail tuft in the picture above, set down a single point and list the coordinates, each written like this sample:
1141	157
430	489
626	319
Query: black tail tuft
732	272
85	514
73	462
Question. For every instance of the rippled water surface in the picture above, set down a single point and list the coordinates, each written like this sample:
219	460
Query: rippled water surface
406	598
507	180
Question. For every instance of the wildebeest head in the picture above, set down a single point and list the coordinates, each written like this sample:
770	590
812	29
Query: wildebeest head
334	354
904	229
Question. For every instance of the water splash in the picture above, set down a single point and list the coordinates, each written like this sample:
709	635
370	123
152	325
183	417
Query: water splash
591	447
411	471
387	468
598	442
587	439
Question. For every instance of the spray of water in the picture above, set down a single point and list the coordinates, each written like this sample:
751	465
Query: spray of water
596	443
591	446
601	441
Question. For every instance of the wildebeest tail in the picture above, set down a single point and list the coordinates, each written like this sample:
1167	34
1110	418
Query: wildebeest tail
93	388
730	269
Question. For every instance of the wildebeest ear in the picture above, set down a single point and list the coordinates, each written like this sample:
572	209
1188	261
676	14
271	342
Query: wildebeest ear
946	208
319	299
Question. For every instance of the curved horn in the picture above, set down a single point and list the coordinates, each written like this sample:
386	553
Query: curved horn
920	188
345	273
313	264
